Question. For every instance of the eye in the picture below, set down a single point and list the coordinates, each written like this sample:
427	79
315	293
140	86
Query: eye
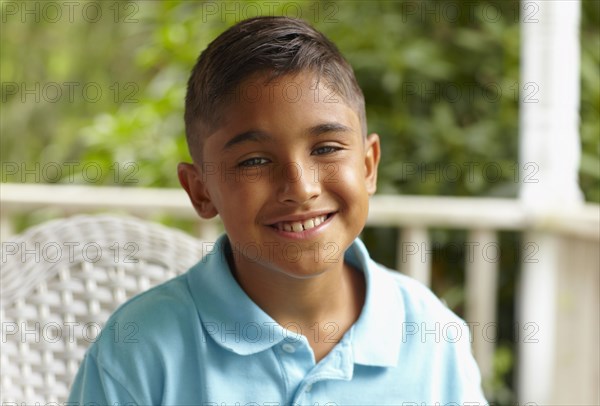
257	161
327	149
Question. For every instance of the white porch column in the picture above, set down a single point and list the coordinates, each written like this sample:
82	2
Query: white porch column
549	103
549	162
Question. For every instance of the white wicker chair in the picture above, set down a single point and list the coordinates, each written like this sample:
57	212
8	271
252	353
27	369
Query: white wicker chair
59	283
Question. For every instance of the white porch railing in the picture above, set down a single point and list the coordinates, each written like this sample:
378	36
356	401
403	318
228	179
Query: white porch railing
573	231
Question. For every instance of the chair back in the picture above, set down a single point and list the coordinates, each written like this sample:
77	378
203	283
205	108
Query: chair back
61	280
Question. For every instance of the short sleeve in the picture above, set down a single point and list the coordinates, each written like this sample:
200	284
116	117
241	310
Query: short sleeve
470	375
94	385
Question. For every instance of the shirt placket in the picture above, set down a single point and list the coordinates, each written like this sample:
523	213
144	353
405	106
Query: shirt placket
338	365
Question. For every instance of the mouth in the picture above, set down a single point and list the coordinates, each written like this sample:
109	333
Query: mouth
302	225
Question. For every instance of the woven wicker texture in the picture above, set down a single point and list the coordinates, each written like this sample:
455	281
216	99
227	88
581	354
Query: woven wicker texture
61	280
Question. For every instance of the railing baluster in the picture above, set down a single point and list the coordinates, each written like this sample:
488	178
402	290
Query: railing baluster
482	258
6	228
414	254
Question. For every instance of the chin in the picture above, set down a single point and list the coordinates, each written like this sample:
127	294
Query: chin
309	267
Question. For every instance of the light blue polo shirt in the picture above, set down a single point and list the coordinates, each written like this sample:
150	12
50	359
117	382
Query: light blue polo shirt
198	339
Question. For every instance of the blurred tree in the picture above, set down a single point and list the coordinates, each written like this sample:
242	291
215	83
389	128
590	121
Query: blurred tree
105	85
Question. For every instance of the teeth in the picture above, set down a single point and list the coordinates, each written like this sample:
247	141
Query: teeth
298	226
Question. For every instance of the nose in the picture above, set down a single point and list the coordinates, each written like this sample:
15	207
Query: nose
298	184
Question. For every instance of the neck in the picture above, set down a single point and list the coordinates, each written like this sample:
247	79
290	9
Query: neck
334	296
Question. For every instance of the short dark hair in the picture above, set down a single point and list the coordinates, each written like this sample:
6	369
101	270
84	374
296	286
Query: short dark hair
274	45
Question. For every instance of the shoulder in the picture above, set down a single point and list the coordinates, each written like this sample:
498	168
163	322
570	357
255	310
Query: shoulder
156	311
140	338
146	328
418	300
425	318
155	303
392	289
434	340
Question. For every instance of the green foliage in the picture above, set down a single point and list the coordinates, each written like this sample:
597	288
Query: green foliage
440	80
589	170
442	95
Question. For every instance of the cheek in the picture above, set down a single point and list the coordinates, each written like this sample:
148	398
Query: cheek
349	175
246	193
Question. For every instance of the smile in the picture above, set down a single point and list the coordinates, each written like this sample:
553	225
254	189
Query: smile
299	226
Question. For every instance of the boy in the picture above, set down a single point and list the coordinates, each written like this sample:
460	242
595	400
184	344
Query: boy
288	308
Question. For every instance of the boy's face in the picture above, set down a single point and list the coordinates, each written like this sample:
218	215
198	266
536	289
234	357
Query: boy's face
290	174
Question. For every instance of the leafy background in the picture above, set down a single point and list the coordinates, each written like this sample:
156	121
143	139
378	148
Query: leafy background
441	80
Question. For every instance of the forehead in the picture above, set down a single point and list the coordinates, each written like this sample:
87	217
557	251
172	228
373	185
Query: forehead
285	104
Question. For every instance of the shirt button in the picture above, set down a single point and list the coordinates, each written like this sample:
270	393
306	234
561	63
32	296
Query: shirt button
289	348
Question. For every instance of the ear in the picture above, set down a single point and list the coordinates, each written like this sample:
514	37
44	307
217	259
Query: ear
372	155
194	183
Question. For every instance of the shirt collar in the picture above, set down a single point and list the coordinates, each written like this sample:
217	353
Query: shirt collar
237	324
377	334
229	316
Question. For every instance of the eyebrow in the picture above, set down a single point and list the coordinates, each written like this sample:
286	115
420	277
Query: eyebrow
251	135
327	128
260	136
